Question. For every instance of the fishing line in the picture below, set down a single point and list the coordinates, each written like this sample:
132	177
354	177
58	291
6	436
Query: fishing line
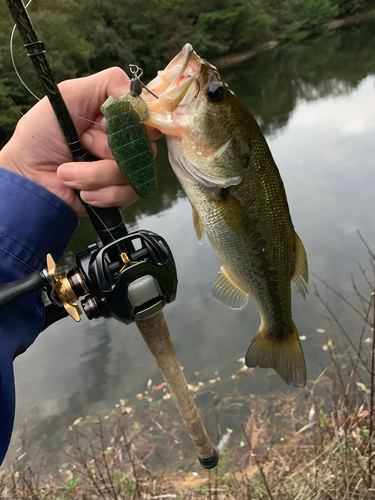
73	114
14	104
24	84
13	61
104	225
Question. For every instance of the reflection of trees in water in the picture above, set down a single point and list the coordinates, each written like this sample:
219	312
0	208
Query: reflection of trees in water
94	372
271	83
311	92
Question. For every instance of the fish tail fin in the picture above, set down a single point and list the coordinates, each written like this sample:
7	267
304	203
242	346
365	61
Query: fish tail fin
284	356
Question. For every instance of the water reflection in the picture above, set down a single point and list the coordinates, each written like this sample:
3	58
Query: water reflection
272	83
94	376
319	98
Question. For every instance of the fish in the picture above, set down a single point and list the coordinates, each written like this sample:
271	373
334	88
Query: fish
227	171
129	141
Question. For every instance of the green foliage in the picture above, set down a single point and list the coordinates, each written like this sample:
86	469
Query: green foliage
272	84
129	486
85	36
314	13
70	486
238	27
11	114
347	7
309	15
117	477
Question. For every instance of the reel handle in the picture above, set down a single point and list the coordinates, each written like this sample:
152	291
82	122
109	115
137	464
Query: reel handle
11	292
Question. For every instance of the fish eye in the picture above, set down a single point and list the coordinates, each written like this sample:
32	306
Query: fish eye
215	92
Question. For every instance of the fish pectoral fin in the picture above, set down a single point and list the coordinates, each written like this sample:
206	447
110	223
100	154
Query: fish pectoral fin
300	276
230	158
284	356
228	293
198	226
199	166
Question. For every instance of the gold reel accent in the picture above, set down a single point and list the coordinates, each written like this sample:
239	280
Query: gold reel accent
62	291
127	262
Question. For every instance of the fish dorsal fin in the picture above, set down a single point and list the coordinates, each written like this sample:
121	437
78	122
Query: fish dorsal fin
226	292
198	226
300	276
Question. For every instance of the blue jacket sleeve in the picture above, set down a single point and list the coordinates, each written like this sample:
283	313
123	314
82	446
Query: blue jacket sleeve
33	222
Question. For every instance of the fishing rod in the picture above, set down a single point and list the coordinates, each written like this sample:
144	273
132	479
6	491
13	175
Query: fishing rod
129	277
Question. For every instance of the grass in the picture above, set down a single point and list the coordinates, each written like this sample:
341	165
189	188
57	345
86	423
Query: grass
314	444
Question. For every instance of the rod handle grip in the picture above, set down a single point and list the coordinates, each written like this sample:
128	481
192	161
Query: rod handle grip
155	332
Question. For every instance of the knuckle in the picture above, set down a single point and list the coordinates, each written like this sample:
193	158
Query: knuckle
114	195
109	197
96	177
63	86
117	72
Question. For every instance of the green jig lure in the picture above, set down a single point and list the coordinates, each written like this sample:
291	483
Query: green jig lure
130	143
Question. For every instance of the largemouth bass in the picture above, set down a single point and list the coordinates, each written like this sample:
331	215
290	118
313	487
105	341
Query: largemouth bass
226	169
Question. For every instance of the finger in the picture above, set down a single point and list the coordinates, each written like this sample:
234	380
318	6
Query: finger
84	96
91	175
83	123
153	133
110	196
96	142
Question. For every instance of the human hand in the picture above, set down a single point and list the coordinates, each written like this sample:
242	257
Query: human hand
38	149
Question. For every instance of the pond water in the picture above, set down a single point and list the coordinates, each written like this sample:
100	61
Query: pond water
315	102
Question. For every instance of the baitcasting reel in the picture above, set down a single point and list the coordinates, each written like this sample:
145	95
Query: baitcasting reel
130	278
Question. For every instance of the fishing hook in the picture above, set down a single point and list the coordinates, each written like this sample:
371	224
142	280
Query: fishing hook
135	83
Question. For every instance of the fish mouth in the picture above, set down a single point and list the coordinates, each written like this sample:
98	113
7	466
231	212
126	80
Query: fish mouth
177	84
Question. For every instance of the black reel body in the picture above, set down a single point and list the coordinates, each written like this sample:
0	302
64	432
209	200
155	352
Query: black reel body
131	277
137	283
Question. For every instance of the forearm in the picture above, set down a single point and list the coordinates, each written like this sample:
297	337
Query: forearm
33	222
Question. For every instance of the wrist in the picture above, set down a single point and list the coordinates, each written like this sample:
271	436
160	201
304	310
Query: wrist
14	159
6	159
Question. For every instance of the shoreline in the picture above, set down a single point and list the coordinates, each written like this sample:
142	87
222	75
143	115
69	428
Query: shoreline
234	59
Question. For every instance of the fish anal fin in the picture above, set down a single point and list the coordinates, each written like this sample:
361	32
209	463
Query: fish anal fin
284	356
198	226
300	276
227	292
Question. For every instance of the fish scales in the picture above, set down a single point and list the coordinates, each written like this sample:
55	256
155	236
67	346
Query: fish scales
237	248
226	169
